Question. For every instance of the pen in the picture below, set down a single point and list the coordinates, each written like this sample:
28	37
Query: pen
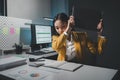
73	11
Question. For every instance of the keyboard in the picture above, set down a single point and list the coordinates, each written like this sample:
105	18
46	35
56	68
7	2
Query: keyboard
42	51
36	53
47	50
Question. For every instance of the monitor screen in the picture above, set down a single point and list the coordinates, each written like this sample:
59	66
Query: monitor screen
41	34
25	35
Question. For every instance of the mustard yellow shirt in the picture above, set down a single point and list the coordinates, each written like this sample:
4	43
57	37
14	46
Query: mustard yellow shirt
80	40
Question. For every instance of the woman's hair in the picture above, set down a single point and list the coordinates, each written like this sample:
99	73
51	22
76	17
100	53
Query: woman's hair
60	16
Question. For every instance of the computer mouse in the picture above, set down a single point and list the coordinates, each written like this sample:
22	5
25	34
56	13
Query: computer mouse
32	59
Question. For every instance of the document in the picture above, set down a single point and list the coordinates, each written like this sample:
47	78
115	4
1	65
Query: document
25	73
64	65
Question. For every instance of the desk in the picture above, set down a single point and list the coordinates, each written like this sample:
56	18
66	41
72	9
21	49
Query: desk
86	72
29	55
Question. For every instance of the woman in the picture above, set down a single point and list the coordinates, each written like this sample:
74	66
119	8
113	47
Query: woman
70	44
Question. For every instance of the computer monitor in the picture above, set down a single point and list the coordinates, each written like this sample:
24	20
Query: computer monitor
25	35
40	35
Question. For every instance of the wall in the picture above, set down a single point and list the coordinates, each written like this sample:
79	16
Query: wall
36	9
29	9
111	8
58	6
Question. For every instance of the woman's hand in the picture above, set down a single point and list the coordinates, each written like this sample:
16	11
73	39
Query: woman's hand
71	22
70	25
100	27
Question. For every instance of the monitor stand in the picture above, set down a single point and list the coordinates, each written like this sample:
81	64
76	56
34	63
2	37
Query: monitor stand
35	47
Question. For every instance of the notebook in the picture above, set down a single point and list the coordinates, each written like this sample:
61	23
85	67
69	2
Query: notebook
63	65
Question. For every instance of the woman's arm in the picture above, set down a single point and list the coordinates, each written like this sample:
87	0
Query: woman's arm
97	47
59	41
70	25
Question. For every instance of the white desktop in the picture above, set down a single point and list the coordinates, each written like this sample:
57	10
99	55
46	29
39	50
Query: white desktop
85	72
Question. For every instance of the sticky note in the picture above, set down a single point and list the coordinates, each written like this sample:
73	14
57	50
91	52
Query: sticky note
5	30
17	30
12	30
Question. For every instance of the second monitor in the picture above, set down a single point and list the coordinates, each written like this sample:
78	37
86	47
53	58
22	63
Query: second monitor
40	36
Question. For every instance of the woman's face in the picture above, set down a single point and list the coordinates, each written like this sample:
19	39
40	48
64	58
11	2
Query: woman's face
60	26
